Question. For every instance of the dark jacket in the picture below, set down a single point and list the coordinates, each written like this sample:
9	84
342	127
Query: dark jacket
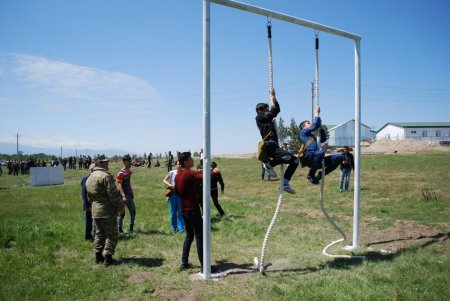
86	204
348	161
216	176
264	121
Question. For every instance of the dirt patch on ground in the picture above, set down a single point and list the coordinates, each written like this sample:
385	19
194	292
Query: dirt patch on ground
191	296
139	277
402	146
404	235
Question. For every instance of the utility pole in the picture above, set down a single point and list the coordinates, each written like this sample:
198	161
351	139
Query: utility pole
17	144
312	101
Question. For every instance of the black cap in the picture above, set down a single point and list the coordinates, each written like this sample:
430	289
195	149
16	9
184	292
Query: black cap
261	106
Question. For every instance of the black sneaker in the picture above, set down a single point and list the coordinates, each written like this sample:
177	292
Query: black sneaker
319	176
185	266
313	180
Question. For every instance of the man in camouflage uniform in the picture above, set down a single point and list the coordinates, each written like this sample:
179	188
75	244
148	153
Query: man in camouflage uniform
106	206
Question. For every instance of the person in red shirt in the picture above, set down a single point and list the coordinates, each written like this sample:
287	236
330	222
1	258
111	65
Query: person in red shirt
188	183
124	187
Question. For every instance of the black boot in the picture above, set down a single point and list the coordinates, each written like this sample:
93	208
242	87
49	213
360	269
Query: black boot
120	229
131	228
109	260
99	258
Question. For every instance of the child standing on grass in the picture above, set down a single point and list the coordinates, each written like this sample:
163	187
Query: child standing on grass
87	207
124	185
346	168
216	177
176	218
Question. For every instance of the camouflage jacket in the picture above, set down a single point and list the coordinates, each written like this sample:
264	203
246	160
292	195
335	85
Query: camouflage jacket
103	194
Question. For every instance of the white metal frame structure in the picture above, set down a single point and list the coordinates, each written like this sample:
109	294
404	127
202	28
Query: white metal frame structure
207	118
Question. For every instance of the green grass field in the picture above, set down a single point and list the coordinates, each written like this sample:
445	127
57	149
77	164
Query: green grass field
404	231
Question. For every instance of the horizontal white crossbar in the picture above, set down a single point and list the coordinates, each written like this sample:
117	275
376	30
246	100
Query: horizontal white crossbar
287	18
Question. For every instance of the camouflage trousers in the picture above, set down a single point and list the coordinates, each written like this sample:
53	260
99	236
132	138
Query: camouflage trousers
106	235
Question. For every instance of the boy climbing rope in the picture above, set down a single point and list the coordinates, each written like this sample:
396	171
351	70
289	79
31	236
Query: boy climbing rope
314	154
276	155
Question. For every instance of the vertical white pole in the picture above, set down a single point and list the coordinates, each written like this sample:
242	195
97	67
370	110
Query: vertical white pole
357	187
206	142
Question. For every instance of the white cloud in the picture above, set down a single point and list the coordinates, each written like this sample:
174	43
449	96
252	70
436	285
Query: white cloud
62	82
45	141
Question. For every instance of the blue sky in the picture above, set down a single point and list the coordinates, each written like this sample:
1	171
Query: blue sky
127	75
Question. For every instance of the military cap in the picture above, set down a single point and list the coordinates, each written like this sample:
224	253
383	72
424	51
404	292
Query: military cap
100	158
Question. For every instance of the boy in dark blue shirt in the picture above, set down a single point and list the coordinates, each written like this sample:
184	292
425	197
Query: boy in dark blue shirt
314	154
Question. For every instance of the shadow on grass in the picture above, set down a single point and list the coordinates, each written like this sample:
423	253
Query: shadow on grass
231	268
146	262
152	232
373	256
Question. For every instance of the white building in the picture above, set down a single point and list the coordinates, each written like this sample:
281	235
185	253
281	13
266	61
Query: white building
344	134
427	131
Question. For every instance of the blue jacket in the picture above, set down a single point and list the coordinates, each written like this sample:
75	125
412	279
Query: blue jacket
86	204
305	134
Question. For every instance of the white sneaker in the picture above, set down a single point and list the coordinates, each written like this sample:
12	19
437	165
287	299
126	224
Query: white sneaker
270	170
289	189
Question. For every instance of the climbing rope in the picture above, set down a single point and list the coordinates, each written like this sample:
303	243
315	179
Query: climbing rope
322	181
260	265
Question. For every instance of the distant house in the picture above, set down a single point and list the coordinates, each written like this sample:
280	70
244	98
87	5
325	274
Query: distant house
344	134
427	131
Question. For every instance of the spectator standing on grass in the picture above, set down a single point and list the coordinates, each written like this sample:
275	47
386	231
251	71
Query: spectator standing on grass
216	177
106	206
346	168
201	157
149	160
176	218
187	184
124	185
87	207
169	162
